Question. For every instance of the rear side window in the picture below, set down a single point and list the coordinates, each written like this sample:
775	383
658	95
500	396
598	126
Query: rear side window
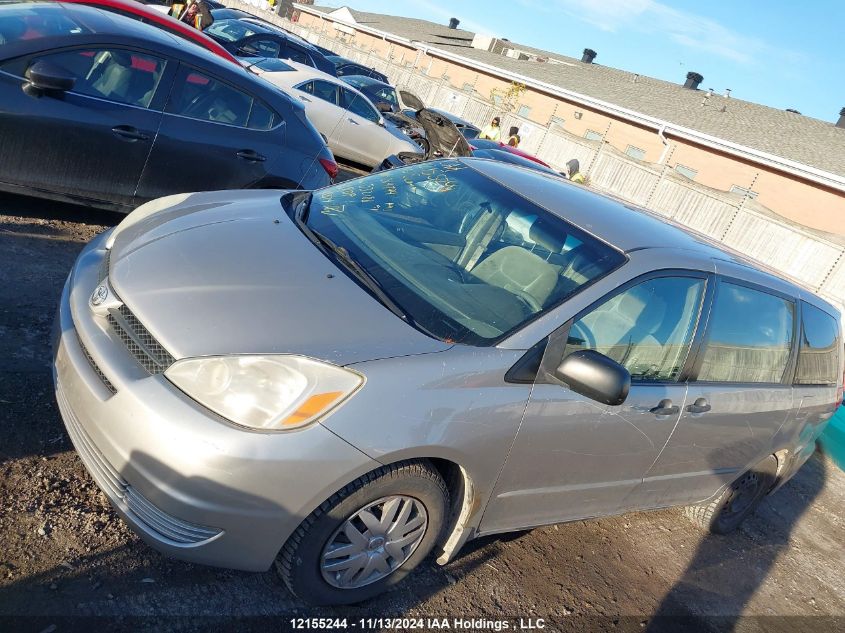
199	96
261	48
117	75
261	117
750	336
818	356
324	90
295	54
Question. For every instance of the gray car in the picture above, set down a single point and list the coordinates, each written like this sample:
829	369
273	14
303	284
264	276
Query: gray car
346	380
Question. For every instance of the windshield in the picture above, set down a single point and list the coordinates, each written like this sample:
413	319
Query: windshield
375	92
465	258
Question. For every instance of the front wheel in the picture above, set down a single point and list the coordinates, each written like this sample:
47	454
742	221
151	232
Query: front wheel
738	501
366	537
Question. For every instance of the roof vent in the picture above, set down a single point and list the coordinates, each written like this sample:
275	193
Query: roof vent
588	56
453	23
841	121
794	111
693	79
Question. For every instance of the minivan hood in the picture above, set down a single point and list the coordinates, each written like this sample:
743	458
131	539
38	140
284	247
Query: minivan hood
230	273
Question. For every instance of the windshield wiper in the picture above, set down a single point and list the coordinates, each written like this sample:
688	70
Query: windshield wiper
361	273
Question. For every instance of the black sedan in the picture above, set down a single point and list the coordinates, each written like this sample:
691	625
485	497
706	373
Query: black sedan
254	38
345	67
100	108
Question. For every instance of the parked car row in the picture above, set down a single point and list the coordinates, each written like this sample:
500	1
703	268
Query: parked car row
118	112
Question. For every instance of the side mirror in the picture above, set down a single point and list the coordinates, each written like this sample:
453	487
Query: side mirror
48	76
595	376
384	106
381	121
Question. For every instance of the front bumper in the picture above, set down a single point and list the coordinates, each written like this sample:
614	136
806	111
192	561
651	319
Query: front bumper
190	484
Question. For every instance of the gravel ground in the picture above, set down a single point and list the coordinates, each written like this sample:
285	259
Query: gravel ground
67	562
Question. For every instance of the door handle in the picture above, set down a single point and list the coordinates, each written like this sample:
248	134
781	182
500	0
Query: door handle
353	121
665	407
699	406
304	98
130	133
250	155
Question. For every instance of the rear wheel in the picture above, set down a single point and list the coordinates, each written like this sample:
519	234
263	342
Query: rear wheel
738	501
366	537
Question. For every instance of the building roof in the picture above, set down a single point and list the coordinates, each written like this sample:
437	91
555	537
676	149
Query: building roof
795	137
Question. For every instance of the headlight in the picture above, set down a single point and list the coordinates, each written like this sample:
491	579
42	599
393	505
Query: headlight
276	393
406	131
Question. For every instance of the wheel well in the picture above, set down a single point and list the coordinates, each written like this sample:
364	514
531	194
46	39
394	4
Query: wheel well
461	502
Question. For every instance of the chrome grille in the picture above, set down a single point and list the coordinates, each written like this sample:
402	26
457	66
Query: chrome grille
104	266
96	368
121	493
140	343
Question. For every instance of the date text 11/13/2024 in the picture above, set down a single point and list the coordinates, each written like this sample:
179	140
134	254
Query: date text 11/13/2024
421	624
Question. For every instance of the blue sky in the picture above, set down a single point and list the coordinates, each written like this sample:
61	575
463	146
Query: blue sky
782	54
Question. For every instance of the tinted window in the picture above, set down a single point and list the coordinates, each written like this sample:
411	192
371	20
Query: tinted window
818	356
199	96
19	22
262	48
262	117
295	54
360	106
324	90
117	75
750	336
647	328
352	69
434	237
229	30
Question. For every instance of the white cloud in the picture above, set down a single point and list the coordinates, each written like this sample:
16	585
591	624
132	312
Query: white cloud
649	16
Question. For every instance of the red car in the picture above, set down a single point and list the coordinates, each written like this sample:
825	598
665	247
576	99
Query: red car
139	11
478	143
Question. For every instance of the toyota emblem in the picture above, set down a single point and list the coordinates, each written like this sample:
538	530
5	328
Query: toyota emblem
99	295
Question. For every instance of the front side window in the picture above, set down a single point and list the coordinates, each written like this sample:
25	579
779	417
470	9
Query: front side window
647	328
818	355
467	259
750	336
117	75
199	96
360	106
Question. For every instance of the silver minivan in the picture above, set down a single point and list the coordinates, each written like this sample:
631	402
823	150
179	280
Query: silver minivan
346	380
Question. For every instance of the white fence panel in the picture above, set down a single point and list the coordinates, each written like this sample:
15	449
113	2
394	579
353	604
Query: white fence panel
692	208
780	245
623	178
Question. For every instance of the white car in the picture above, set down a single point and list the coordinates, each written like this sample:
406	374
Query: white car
354	129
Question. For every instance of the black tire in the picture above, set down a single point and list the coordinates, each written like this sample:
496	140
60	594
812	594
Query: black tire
738	501
298	563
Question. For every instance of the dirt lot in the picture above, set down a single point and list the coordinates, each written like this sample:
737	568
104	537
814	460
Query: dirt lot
68	563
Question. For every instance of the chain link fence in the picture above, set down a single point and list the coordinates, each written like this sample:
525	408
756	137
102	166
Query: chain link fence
814	259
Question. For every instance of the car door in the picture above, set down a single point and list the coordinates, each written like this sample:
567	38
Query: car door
322	105
740	395
574	457
92	141
213	136
361	131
